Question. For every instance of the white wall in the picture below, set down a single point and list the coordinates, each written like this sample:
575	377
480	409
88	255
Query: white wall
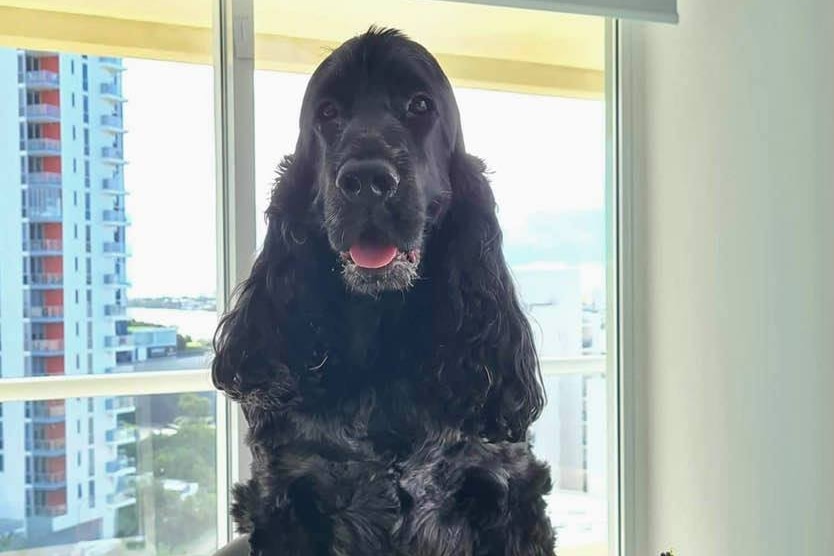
733	177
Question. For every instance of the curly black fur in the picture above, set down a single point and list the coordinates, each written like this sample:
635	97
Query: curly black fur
391	423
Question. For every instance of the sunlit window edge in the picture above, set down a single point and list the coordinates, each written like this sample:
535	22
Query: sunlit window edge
47	30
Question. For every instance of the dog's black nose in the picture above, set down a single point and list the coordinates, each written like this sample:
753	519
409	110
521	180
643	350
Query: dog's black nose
367	180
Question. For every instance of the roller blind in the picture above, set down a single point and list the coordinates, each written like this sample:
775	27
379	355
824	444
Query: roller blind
649	10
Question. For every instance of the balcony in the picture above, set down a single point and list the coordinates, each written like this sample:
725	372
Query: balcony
121	435
43	413
111	122
42	80
49	446
50	481
43	179
110	185
44	313
41	213
46	280
111	63
43	147
115	248
43	113
53	510
115	280
111	92
122	465
118	341
112	155
122	404
114	310
44	347
42	246
114	217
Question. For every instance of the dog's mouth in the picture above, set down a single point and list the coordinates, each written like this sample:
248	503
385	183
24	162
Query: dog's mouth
372	268
369	256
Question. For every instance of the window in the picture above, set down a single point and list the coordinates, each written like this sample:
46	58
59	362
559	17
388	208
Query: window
150	268
175	460
138	318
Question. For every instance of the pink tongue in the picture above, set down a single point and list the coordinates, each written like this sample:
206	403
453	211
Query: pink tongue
372	256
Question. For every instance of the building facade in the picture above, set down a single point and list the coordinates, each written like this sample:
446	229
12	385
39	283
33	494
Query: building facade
63	305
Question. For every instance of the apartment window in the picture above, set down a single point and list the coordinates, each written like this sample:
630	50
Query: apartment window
91	461
91	493
91	433
75	199
78	455
73	127
80	493
150	289
72	67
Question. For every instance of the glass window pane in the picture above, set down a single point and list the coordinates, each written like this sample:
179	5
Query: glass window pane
146	483
108	236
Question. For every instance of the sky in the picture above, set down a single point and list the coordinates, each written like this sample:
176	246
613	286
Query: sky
546	157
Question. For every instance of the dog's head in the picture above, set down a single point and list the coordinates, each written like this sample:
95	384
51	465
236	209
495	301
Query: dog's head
379	126
379	192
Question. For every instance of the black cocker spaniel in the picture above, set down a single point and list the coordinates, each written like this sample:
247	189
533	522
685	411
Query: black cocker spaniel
378	349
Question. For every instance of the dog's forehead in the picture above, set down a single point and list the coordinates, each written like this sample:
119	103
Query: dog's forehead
377	61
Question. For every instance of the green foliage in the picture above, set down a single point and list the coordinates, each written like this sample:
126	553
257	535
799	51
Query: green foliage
193	406
175	518
188	455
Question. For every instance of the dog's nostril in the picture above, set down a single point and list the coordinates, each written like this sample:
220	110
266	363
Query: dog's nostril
383	183
351	184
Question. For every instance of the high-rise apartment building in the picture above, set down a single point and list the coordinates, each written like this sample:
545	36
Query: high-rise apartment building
63	293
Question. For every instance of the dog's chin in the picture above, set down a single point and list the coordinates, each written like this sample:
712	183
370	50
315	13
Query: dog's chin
397	276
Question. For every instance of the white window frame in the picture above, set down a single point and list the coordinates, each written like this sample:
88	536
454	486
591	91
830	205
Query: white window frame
233	62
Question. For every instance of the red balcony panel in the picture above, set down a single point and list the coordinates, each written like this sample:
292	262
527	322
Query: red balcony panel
54	331
56	497
52	230
51	97
51	131
50	63
52	164
56	465
53	298
54	431
54	365
53	265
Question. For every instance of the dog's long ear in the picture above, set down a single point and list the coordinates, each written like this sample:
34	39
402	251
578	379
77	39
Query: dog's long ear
249	343
486	346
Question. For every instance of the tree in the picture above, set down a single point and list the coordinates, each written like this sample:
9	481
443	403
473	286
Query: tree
193	406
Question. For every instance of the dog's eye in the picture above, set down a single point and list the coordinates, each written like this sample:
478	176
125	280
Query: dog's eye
328	111
419	105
